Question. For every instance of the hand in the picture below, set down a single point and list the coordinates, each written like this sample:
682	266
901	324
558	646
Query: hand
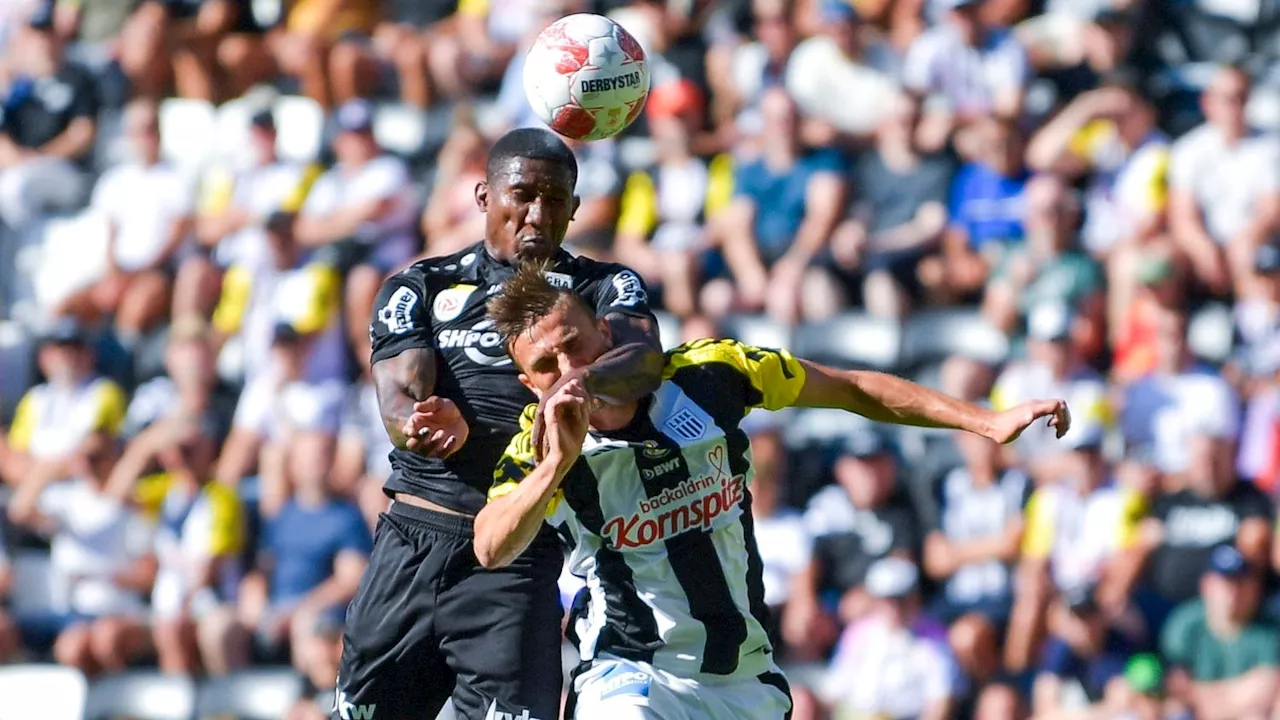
436	428
538	434
848	244
568	416
1008	425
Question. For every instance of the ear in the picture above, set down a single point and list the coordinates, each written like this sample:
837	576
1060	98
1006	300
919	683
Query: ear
524	380
573	210
482	196
603	326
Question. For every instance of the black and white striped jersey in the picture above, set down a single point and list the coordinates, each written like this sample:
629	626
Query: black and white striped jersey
658	515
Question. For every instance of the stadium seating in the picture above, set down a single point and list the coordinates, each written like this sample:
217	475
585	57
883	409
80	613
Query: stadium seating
852	340
265	694
186	130
141	695
47	692
299	128
756	330
932	336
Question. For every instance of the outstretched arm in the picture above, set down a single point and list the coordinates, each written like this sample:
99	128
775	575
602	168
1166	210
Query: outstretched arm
886	398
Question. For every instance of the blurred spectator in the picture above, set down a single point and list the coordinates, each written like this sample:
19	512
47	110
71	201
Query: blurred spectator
973	524
1224	659
894	662
56	419
664	209
320	669
598	189
751	68
1054	367
1213	509
1224	186
303	48
149	205
186	390
964	70
842	62
230	222
780	534
199	534
450	221
1074	43
285	313
482	41
364	211
47	126
1135	325
398	49
1182	397
1255	357
985	213
1077	530
786	204
312	553
1047	267
865	516
361	465
1109	135
896	217
101	564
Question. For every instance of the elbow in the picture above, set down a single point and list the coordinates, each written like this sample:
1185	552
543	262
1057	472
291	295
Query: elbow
490	555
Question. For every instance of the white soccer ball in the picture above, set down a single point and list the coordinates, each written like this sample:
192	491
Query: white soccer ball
586	77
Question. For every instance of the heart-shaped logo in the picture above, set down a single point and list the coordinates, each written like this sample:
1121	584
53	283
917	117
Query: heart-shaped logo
716	457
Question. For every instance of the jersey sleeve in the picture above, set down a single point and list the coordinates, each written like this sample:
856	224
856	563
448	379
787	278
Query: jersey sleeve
24	424
1037	537
616	289
774	377
111	408
518	461
400	320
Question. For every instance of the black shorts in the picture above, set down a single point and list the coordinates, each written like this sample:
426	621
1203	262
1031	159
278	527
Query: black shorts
428	623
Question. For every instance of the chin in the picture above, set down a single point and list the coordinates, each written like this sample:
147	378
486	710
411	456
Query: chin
535	250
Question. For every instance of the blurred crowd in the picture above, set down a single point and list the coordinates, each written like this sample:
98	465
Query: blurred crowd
1006	199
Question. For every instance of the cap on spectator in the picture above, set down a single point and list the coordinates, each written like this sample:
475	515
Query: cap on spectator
837	11
1144	673
1227	561
892	577
673	99
65	331
354	116
865	443
1049	322
1266	259
42	16
263	119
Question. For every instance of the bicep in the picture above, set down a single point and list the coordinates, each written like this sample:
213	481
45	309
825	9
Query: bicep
628	329
823	196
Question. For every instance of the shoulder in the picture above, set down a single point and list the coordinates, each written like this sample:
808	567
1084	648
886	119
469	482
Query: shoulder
1196	142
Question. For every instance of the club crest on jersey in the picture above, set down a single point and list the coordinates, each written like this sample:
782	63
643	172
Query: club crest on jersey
559	280
397	314
449	303
685	425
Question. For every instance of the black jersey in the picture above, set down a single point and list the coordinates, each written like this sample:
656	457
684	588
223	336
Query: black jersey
439	303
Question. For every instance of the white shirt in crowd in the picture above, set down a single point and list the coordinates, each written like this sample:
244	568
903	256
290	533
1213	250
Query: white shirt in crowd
261	191
97	539
1226	181
881	671
142	204
785	549
382	178
821	79
1201	404
969	79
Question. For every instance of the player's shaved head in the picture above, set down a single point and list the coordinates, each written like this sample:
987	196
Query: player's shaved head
531	144
526	298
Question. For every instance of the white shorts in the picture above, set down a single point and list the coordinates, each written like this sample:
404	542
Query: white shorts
629	690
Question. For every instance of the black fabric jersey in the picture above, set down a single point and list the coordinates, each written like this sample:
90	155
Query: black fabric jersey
38	111
439	303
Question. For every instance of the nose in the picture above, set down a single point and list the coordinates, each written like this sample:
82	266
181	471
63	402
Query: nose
533	214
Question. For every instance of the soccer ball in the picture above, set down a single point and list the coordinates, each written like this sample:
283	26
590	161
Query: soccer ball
586	77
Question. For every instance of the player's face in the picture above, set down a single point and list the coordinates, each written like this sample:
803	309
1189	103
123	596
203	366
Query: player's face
528	205
567	339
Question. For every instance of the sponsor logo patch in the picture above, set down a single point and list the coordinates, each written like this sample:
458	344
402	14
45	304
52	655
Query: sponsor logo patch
397	314
624	682
449	303
629	288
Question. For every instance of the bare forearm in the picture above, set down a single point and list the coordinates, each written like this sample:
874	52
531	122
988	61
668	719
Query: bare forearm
506	526
400	383
626	373
71	143
886	398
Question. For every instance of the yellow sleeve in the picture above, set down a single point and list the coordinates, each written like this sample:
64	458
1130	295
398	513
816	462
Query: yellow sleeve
518	461
217	191
1088	139
1037	538
639	205
237	288
1133	509
315	304
475	8
294	200
775	374
111	407
24	424
1152	169
226	523
719	185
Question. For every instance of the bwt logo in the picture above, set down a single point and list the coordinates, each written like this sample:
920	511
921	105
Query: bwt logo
351	711
496	714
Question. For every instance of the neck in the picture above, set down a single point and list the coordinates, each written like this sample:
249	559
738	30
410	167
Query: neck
310	496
